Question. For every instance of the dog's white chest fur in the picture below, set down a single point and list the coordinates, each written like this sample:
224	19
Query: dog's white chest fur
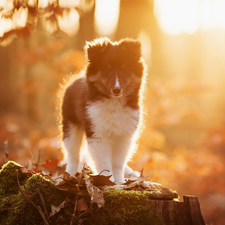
111	117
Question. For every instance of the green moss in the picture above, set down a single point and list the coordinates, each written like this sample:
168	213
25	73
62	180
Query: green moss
51	194
121	207
14	209
10	197
8	178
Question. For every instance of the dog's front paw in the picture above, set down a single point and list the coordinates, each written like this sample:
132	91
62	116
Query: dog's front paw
119	177
128	172
71	169
133	174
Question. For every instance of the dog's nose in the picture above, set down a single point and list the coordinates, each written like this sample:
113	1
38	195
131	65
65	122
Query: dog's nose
116	91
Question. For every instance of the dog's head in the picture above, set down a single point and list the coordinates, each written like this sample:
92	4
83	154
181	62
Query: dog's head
115	68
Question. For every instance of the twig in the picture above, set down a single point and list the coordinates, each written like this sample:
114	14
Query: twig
6	150
39	157
42	200
27	198
74	211
76	201
33	172
141	175
103	171
32	157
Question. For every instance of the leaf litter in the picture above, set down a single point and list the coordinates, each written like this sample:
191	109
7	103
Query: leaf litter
94	184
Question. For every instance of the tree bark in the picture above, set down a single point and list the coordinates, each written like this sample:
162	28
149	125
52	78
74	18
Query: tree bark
170	212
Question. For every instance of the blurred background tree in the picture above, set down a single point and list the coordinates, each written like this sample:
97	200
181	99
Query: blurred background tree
182	147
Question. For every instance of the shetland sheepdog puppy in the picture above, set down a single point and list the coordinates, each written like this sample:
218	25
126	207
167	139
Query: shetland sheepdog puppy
103	104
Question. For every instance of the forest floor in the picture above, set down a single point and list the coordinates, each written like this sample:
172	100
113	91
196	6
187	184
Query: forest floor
198	172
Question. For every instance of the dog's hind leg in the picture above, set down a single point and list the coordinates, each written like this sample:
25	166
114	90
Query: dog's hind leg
72	145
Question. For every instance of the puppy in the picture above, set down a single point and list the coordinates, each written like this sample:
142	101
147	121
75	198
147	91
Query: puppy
103	103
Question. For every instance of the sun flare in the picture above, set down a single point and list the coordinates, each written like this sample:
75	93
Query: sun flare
187	16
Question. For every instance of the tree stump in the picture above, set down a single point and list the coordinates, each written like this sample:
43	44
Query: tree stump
170	212
27	200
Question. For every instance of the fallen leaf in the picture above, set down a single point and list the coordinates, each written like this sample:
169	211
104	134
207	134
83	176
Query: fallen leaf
82	205
55	209
87	170
136	183
45	173
130	180
95	193
29	169
50	165
66	176
100	180
56	179
30	165
68	189
150	185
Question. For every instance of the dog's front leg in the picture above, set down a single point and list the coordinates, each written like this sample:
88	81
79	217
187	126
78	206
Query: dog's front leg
100	152
120	156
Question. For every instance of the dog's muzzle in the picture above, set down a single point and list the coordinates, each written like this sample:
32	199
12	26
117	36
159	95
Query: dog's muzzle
116	91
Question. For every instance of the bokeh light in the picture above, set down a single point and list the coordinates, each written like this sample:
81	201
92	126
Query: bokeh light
5	25
177	16
69	23
106	16
146	45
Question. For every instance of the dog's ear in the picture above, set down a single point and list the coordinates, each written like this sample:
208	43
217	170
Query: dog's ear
132	46
96	48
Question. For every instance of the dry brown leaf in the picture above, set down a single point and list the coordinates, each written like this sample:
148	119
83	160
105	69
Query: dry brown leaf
150	185
57	179
29	169
100	180
55	209
68	189
136	183
95	193
82	205
50	165
66	176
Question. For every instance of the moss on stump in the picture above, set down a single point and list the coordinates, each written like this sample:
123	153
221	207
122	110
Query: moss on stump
121	206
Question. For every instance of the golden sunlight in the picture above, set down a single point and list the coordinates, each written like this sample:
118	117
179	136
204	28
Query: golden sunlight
19	20
20	17
43	3
3	3
206	15
5	25
31	2
178	16
106	16
69	23
69	3
219	13
146	45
